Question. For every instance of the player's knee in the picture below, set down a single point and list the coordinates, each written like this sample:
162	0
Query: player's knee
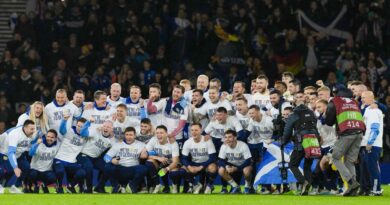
247	170
221	171
212	168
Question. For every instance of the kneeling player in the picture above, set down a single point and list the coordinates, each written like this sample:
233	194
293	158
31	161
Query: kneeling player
235	160
199	157
123	162
43	153
165	155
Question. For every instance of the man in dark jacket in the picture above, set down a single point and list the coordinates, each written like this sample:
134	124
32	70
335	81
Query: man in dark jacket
303	122
344	111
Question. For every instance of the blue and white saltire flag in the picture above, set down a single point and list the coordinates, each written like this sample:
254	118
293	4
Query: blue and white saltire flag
268	170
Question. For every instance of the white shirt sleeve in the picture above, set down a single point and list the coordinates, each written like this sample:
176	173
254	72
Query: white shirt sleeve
222	152
246	151
186	149
210	147
175	150
113	151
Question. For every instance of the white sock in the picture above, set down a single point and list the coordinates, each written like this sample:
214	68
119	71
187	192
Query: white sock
233	183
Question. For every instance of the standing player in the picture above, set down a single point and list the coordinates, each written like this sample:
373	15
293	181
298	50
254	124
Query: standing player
260	130
123	121
146	131
174	116
43	153
214	103
197	104
133	102
100	112
235	161
78	104
163	155
114	99
217	128
38	115
155	101
123	160
371	146
261	96
57	109
198	157
242	113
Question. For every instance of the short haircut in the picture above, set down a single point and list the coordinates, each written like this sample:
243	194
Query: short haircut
28	122
197	124
314	93
281	83
62	91
130	129
241	83
323	88
288	74
83	120
214	88
296	82
136	87
146	121
53	131
322	101
79	92
216	80
256	107
116	85
277	92
98	93
357	82
242	98
262	76
232	132
122	106
185	81
155	85
181	88
204	76
162	127
309	88
198	91
222	109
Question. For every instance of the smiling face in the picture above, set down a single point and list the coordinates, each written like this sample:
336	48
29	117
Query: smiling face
161	135
135	94
38	110
61	98
29	130
101	101
177	94
107	128
145	128
51	138
196	132
130	137
230	140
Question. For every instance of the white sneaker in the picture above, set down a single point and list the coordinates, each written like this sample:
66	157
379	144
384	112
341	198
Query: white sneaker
1	189
334	192
207	190
197	188
157	189
276	192
144	190
15	190
174	189
313	192
122	190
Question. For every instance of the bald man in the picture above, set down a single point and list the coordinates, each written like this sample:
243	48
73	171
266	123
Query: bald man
371	147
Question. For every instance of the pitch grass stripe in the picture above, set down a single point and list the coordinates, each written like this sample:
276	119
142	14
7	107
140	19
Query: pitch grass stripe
188	199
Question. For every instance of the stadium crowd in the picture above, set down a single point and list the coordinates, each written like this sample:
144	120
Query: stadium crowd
177	89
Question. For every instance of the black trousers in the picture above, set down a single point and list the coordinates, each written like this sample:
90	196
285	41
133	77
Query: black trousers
295	160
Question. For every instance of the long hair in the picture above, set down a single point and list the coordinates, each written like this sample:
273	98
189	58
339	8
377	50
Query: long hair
43	121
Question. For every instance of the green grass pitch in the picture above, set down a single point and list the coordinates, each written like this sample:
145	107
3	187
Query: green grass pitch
188	199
